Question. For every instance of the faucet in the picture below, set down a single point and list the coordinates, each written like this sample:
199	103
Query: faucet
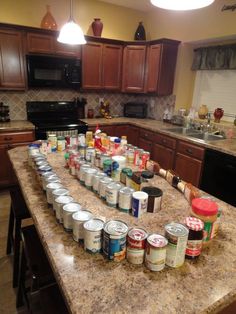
208	126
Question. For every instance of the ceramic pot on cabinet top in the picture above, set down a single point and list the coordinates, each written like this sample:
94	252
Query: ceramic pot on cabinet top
202	112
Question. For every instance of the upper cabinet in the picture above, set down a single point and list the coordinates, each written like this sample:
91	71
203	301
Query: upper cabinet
101	66
133	78
12	70
160	68
47	43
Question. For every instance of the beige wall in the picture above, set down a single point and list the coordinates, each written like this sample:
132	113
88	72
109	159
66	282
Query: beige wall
119	22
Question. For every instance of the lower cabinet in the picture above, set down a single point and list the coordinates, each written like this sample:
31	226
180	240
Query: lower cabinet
163	151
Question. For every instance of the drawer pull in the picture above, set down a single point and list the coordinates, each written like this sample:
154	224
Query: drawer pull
164	141
189	150
8	138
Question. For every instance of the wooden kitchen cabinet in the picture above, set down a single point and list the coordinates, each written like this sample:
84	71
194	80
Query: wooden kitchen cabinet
101	66
133	77
163	151
160	67
10	140
133	135
188	162
12	71
146	139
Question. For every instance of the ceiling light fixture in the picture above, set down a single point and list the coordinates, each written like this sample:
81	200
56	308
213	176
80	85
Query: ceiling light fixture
181	5
71	33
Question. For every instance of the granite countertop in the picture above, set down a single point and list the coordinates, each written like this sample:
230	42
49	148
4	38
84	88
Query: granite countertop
92	284
16	125
227	146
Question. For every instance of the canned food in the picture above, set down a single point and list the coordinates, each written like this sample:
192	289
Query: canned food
79	161
53	179
81	139
145	156
96	179
97	160
93	235
125	198
114	240
42	170
155	257
67	211
88	180
154	198
49	189
61	143
56	193
177	236
52	141
82	150
82	173
74	141
107	167
136	238
46	175
103	158
90	154
103	182
139	203
135	256
60	201
112	192
78	219
123	174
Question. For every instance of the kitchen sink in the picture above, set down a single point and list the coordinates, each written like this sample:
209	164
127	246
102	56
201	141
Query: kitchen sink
207	136
182	130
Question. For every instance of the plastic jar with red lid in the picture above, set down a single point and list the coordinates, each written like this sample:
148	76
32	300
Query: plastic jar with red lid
205	210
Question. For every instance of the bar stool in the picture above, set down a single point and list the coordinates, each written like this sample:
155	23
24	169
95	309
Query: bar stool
35	270
18	212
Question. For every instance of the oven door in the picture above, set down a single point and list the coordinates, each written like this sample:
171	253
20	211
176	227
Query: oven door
41	133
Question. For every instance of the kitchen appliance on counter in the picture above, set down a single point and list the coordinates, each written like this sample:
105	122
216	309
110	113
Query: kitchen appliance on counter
218	176
135	110
4	113
57	117
53	72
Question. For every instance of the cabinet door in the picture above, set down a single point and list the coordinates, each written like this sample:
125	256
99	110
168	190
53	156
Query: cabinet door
133	135
67	50
153	67
112	60
92	66
189	169
133	69
145	144
163	155
109	129
12	72
41	43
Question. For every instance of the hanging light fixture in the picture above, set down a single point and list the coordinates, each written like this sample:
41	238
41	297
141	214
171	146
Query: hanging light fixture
181	5
71	33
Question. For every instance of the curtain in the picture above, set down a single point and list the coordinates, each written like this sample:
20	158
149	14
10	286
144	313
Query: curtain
215	58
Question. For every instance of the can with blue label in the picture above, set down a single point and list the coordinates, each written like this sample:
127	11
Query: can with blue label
93	235
139	203
114	240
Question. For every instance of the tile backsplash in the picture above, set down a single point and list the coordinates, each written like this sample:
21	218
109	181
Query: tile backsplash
17	100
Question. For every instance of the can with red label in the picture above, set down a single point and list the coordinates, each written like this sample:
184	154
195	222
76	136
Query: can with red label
136	238
155	257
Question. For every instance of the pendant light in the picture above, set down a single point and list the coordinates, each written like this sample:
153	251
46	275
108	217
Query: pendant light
181	5
71	33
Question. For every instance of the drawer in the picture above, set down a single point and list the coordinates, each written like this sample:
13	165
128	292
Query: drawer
191	150
148	135
17	137
165	141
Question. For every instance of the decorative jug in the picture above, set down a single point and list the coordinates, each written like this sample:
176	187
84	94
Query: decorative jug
218	114
202	112
97	27
48	21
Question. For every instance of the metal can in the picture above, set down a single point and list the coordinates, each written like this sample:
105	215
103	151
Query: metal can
136	238
137	156
177	236
88	180
52	140
82	150
96	179
139	203
103	182
60	201
53	179
78	219
135	256
155	257
114	240
102	158
145	156
81	139
97	160
79	161
42	170
107	167
82	173
49	188
56	193
90	154
74	141
61	143
67	211
93	235
112	192
125	198
46	175
123	174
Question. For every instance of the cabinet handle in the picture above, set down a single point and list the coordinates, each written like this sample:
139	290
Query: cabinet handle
189	150
8	138
164	141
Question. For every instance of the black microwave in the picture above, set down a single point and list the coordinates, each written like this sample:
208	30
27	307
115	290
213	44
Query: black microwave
53	72
135	110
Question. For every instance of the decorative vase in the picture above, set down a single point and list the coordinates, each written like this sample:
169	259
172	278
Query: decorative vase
140	32
218	114
48	21
97	27
202	112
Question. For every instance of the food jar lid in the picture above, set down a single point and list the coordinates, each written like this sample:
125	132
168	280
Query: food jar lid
204	207
147	174
194	223
152	191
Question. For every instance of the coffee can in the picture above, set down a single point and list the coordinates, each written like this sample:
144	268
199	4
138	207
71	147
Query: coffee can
88	177
96	178
136	238
60	201
56	193
154	198
67	211
103	183
139	203
112	192
155	257
93	235
114	240
177	236
125	198
49	189
78	219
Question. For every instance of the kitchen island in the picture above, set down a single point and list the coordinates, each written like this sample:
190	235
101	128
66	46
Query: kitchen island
92	284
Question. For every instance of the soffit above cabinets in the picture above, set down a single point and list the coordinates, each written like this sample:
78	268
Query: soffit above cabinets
140	5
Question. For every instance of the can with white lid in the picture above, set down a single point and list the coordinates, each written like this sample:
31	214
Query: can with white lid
49	188
112	192
82	173
96	178
103	183
88	180
93	235
45	175
67	211
79	218
139	203
125	198
56	193
155	257
52	179
60	201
